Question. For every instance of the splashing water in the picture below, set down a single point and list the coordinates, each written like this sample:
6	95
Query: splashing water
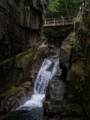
47	71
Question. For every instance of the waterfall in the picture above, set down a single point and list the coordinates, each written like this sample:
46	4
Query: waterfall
46	73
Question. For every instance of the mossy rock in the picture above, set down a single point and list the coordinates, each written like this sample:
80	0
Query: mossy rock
72	110
66	48
86	19
78	68
11	91
12	98
79	18
24	58
18	58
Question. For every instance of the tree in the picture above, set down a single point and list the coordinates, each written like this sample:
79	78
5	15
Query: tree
63	7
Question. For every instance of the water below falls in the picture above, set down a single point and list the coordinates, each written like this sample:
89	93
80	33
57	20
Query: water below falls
33	108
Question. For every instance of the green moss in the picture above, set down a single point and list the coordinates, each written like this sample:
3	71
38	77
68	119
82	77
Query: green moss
77	67
86	20
14	89
25	56
11	91
72	37
73	107
19	56
29	52
77	19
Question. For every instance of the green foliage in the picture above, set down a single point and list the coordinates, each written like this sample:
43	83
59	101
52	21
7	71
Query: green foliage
53	6
63	7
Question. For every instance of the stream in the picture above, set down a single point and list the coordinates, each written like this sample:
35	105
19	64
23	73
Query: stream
33	108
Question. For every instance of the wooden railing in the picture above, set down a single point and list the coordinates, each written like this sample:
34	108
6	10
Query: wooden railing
58	21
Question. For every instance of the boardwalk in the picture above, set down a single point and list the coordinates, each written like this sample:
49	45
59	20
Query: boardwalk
49	22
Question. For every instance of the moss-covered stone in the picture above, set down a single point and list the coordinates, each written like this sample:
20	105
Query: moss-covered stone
14	96
66	49
17	68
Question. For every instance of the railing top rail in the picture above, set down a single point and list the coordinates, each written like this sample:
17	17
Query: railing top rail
59	18
58	21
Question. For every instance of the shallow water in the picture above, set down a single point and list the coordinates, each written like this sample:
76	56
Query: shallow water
34	114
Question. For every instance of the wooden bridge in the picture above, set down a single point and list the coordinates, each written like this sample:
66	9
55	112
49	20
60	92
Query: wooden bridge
49	22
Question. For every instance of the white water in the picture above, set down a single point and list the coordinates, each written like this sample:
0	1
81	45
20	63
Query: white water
46	73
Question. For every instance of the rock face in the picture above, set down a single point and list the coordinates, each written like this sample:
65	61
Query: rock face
20	26
55	98
75	56
55	95
57	34
14	97
27	66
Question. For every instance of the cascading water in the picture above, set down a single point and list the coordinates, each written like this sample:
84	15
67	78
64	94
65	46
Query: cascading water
47	71
33	108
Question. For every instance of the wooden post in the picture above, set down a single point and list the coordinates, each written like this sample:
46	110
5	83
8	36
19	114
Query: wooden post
63	21
74	23
54	21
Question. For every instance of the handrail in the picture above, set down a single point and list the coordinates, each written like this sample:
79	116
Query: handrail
58	21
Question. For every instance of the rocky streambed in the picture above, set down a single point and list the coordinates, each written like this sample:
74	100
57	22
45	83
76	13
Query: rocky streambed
17	94
63	98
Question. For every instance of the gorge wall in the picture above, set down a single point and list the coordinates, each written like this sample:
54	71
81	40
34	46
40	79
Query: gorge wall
20	30
75	55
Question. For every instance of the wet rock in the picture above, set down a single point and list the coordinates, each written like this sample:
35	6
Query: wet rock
26	85
55	96
14	97
66	49
41	52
